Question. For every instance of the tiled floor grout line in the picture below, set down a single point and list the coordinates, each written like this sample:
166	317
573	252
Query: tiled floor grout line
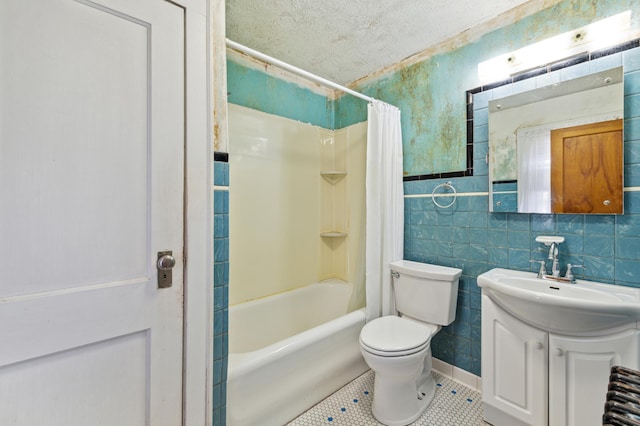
453	404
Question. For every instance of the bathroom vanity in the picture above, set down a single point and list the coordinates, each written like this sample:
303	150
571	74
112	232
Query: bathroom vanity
547	347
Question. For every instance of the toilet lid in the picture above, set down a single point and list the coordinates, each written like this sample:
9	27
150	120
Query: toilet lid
395	334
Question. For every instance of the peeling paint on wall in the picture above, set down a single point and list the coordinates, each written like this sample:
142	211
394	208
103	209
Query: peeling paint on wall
431	93
261	91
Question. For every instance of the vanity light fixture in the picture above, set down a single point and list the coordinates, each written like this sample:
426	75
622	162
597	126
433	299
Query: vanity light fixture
598	35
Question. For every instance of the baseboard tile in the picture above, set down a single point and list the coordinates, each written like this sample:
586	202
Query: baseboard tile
466	378
442	367
459	375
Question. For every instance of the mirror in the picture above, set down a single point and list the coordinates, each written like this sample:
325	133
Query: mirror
559	148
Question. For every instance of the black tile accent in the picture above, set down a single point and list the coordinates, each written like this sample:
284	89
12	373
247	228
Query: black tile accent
497	84
530	74
619	48
569	62
437	176
505	181
453	174
221	156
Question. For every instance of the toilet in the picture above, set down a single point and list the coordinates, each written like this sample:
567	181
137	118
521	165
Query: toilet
397	348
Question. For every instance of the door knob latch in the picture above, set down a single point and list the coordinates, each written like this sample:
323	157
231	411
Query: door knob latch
165	264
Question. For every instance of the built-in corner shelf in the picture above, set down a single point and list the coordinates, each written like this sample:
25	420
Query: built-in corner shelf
333	234
333	176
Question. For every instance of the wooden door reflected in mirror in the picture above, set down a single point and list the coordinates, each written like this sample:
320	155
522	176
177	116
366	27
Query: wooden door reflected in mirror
586	168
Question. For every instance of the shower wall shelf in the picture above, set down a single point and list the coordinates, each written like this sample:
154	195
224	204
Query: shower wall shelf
333	176
333	234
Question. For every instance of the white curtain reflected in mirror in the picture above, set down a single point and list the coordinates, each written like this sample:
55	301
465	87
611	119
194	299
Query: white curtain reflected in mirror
534	170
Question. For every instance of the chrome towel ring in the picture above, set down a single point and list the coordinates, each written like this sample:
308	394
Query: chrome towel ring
446	185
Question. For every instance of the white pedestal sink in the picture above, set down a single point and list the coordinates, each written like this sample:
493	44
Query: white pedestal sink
548	347
560	307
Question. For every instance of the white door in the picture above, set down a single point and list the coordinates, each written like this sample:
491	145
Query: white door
91	188
579	371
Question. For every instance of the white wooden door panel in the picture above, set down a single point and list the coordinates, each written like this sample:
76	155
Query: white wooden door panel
73	179
113	399
91	180
57	323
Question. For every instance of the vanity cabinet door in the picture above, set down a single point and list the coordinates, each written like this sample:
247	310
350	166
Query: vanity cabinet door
579	374
514	369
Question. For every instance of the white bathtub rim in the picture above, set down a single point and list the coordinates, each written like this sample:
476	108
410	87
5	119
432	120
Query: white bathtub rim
332	282
240	363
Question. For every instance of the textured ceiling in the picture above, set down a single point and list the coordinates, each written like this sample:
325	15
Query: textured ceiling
346	40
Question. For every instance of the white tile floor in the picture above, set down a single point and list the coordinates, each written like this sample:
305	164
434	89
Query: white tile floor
453	404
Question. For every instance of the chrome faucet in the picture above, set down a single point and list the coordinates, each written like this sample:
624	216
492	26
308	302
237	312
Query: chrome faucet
569	275
543	268
553	242
553	255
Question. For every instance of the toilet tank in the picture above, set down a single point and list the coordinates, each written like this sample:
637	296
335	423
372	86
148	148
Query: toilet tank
426	292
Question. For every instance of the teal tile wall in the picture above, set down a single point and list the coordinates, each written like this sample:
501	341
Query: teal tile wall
467	236
505	195
220	290
258	90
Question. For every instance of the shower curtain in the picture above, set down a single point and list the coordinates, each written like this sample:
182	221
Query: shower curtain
534	170
384	206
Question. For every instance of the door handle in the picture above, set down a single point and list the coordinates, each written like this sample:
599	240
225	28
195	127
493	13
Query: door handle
165	264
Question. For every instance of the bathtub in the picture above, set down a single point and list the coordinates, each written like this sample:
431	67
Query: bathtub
289	351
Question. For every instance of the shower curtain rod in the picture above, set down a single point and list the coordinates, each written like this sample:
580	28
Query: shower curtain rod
296	70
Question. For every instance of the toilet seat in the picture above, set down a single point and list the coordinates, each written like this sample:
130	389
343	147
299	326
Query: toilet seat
395	336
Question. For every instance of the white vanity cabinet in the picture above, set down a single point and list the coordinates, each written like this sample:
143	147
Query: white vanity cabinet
514	369
533	377
579	370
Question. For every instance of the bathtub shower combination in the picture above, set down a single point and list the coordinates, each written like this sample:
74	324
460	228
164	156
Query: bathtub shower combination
297	238
294	316
289	351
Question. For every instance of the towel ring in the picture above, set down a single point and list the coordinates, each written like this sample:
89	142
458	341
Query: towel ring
446	185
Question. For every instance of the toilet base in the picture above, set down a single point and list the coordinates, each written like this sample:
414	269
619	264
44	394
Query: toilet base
426	383
398	402
428	390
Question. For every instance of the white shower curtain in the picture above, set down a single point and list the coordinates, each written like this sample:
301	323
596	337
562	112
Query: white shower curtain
534	170
384	204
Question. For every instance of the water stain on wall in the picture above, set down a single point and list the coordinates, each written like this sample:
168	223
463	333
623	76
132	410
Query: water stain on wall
432	129
431	93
